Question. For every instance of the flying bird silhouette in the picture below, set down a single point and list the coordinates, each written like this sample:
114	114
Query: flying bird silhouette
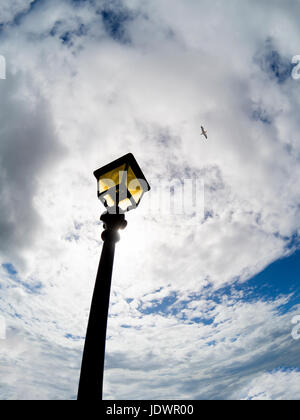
204	133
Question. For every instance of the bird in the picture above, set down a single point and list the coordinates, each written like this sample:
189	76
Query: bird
204	133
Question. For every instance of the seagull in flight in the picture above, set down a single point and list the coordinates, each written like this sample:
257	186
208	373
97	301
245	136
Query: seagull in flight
204	133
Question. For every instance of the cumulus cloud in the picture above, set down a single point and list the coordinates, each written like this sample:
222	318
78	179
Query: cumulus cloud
28	147
12	9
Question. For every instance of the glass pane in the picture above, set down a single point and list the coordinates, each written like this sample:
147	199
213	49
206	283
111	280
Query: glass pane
111	179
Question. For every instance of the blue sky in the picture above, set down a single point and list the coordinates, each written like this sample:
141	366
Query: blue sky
202	307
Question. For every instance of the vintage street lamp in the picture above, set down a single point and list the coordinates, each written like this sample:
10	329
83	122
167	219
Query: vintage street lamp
121	185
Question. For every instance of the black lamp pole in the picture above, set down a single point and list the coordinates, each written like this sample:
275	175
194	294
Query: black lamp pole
92	368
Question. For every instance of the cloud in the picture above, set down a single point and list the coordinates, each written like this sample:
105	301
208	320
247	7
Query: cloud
34	369
28	148
199	360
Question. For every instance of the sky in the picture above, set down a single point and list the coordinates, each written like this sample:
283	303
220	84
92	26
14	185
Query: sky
205	299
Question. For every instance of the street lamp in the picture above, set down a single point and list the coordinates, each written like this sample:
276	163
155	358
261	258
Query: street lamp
121	185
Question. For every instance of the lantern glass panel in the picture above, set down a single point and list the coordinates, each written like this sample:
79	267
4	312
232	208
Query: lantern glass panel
134	186
121	184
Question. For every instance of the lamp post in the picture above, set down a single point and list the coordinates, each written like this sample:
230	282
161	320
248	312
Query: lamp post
121	185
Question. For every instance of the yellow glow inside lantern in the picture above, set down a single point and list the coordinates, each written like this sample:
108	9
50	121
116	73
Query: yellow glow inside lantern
121	184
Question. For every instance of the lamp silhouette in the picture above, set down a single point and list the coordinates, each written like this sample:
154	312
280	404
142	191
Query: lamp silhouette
121	185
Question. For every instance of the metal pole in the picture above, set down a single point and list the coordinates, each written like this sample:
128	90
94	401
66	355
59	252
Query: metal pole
92	367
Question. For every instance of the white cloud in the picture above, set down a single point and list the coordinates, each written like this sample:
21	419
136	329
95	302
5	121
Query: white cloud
28	148
9	10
